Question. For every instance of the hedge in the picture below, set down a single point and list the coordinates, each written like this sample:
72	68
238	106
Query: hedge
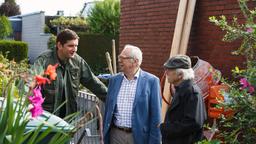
17	50
92	48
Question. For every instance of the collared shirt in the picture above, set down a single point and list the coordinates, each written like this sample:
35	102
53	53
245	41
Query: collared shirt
125	99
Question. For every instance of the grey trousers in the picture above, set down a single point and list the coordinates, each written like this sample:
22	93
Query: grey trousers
120	137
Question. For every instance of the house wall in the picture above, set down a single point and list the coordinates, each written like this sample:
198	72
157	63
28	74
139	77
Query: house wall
150	25
33	33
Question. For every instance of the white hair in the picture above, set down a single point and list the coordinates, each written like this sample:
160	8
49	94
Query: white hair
188	74
136	53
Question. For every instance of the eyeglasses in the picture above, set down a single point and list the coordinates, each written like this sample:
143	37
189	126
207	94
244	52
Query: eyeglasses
124	57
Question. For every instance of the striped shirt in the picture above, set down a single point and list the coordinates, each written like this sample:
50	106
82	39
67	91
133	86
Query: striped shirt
125	99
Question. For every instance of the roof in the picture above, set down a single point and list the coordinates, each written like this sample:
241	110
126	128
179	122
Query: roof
24	15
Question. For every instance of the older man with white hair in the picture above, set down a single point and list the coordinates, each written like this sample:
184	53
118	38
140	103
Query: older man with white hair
186	115
133	105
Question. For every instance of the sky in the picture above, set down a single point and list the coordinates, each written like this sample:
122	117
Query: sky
50	7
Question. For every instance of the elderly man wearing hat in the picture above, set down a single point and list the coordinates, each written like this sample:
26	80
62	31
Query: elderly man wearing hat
185	117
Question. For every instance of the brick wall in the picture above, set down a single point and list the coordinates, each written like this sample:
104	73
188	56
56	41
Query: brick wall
206	38
150	24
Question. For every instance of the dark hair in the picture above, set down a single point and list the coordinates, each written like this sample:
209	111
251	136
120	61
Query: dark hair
66	35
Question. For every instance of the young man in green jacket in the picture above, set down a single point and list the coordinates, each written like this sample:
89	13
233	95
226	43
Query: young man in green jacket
71	71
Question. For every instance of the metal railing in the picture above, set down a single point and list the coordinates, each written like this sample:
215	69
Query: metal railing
91	131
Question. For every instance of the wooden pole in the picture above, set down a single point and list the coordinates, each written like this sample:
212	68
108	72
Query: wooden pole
109	63
178	28
180	40
114	56
187	27
174	50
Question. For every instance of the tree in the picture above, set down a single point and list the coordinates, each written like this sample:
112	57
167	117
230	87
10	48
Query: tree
9	8
104	18
5	27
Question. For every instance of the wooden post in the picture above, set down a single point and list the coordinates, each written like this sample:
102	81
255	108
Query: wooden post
109	63
187	27
114	56
178	28
180	40
174	50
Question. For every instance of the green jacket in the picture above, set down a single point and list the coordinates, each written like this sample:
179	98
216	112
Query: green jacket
69	77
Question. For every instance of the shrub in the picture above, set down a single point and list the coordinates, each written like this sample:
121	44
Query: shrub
16	50
241	97
5	27
69	22
52	42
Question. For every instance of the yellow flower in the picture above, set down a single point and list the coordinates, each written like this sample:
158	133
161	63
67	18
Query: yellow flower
237	70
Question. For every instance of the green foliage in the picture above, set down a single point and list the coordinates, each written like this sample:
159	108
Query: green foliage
8	68
52	42
234	31
17	50
241	97
93	48
209	142
5	27
9	8
47	29
104	18
66	22
241	128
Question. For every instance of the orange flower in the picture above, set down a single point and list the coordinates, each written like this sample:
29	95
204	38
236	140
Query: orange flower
51	71
42	80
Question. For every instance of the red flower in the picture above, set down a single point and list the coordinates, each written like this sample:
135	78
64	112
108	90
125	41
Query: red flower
36	100
51	71
42	80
